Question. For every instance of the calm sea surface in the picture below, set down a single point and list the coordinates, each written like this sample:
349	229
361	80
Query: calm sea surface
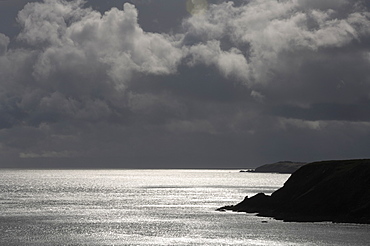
149	207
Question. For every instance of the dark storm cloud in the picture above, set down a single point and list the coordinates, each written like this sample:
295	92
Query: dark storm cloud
190	83
327	111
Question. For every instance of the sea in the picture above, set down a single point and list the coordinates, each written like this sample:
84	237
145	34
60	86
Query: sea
150	207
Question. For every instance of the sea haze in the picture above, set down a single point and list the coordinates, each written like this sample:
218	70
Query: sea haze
149	207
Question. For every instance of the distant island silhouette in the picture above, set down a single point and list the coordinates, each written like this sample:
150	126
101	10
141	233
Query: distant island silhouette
336	191
278	167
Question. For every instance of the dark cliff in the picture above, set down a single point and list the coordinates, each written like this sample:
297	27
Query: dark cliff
337	191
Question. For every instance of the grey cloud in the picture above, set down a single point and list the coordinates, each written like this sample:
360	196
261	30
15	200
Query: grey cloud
327	111
196	84
257	96
4	42
150	85
156	108
45	23
327	4
82	54
114	40
51	154
67	108
10	114
273	29
230	63
295	48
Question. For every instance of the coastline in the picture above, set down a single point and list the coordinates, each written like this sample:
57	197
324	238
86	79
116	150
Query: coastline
336	191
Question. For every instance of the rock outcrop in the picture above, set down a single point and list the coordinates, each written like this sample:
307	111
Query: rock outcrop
337	191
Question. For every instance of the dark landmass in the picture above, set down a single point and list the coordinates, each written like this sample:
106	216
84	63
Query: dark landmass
337	191
278	167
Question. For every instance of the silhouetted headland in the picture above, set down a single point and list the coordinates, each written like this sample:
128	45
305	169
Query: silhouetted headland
278	167
337	191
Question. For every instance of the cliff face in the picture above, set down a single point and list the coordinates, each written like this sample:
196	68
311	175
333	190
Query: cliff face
337	191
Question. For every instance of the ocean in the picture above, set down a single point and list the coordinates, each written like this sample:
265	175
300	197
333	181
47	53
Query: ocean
150	207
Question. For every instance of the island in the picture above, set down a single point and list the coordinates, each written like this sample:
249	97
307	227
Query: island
277	167
336	191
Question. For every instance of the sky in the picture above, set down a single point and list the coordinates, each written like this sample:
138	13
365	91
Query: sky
183	83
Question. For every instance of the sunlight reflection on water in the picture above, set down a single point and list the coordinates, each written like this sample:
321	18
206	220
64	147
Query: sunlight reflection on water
149	207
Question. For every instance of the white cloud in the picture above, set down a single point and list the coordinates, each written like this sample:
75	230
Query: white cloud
286	123
231	63
79	52
46	22
4	42
77	62
78	79
275	30
79	41
196	7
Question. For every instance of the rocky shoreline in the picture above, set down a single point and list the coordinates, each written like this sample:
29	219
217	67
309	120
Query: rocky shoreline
336	191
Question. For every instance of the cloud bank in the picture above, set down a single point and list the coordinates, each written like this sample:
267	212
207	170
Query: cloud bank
241	83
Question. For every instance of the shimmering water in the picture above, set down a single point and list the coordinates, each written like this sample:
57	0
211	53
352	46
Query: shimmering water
149	207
